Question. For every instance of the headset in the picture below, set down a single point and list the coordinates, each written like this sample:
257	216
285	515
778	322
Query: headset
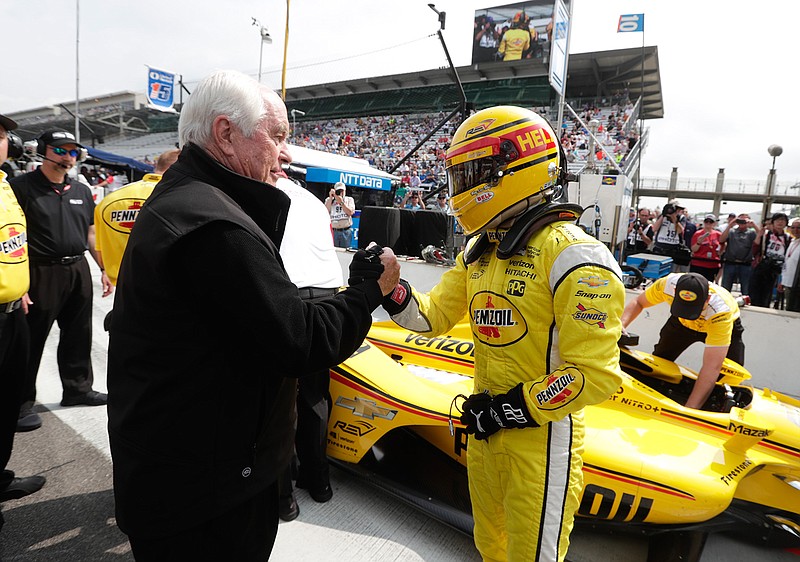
41	150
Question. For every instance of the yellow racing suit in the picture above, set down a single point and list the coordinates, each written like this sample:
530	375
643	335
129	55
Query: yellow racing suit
548	317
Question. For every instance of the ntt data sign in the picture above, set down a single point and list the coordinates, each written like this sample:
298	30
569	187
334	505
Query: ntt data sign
324	175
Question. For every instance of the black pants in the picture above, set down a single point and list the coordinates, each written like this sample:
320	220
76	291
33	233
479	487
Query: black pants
245	533
675	338
63	294
762	283
13	359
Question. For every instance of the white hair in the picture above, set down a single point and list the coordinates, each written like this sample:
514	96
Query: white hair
226	92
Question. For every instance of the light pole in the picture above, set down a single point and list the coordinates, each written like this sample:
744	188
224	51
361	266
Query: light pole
774	151
296	112
265	38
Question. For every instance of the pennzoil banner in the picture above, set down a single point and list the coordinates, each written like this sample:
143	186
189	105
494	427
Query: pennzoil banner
160	89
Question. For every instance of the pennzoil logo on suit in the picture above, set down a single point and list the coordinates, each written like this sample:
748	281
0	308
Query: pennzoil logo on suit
558	389
13	243
495	320
121	215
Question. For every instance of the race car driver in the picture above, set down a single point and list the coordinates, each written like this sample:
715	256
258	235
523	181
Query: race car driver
544	301
699	311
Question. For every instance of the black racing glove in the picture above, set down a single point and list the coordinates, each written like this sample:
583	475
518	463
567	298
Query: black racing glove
397	301
485	416
366	264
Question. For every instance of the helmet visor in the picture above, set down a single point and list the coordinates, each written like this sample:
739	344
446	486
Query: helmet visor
473	173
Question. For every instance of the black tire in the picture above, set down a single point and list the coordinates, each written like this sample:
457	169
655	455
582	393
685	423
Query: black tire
631	276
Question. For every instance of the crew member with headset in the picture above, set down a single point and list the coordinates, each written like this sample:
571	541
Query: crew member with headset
60	215
14	281
531	283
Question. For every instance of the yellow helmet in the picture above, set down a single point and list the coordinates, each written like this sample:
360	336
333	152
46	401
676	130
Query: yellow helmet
499	157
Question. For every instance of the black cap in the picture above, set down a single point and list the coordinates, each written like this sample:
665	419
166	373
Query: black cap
59	138
691	293
7	123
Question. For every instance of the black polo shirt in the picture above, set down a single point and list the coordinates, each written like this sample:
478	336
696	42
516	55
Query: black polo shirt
58	219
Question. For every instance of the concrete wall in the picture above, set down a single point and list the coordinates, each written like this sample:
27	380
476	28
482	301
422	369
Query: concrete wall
772	337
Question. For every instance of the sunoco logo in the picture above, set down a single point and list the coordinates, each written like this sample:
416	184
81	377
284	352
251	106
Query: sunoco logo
495	320
591	316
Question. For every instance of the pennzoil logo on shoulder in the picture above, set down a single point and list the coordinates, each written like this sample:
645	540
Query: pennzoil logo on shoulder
495	320
13	243
558	389
122	215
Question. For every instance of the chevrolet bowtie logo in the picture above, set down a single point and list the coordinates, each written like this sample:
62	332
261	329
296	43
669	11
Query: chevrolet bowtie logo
365	408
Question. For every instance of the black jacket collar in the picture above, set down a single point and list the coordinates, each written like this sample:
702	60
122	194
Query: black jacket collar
265	204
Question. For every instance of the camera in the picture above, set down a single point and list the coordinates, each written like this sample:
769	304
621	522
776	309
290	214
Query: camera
741	221
637	224
669	209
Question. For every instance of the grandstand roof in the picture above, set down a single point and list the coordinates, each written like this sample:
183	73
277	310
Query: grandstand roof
591	75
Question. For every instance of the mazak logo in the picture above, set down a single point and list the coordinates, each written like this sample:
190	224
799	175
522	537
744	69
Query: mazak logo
558	388
495	320
122	215
365	408
591	316
484	197
13	243
480	127
516	288
593	281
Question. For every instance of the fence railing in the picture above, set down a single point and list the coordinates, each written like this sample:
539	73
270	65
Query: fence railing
709	185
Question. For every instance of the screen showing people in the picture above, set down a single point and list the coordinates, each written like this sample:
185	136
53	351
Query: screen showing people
513	32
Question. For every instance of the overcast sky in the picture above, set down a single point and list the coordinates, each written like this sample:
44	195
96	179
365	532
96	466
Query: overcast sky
728	74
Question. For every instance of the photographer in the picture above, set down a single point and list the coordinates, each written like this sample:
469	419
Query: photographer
341	208
669	236
738	238
640	233
773	242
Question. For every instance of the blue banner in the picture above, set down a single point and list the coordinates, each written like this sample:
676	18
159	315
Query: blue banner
324	175
630	23
160	89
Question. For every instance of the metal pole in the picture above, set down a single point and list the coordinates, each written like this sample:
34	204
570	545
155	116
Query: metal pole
562	97
285	50
77	69
260	58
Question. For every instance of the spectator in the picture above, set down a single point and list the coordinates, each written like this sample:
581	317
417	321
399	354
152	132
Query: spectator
341	209
640	233
789	275
312	265
689	228
13	328
205	393
441	204
737	260
115	215
412	201
772	243
705	248
60	216
668	239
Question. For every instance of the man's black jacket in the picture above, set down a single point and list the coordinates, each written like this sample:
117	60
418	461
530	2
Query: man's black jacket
207	334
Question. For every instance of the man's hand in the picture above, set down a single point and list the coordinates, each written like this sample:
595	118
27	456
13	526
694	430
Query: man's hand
367	264
391	272
484	416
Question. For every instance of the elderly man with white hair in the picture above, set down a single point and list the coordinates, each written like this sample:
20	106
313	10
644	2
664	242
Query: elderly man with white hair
209	333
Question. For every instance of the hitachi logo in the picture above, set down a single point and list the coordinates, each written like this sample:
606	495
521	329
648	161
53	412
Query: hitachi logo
493	317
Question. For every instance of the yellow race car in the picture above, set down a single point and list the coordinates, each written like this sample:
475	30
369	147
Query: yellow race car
651	466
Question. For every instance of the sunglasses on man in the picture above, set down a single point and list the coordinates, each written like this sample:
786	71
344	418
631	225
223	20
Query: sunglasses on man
58	151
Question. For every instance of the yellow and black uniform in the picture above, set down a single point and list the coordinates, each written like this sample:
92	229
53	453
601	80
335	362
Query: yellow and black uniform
718	325
114	218
514	43
14	281
58	217
548	318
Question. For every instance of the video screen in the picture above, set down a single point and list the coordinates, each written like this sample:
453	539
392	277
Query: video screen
513	32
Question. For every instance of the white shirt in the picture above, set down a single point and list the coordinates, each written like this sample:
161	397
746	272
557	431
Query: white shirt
790	263
307	248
